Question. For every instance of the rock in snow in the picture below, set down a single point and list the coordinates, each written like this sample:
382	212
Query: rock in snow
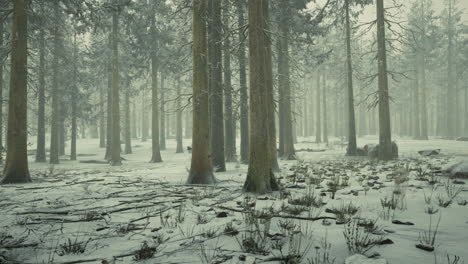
457	169
361	259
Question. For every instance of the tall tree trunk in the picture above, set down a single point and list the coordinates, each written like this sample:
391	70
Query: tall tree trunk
16	166
102	119
284	82
134	122
109	109
260	177
180	147
230	139
201	171
1	92
115	147
244	107
156	152
416	118
325	112
144	117
215	85
385	134
74	95
40	151
318	120
188	121
352	147
162	129
55	122
127	134
451	92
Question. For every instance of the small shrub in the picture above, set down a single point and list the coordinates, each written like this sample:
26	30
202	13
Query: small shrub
358	240
145	252
428	238
72	247
230	230
201	219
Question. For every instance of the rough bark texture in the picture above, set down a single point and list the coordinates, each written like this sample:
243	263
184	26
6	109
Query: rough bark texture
156	152
115	147
40	150
451	89
201	171
1	93
55	126
16	166
229	122
352	147
102	119
260	177
244	107
215	85
385	134
109	111
286	125
325	110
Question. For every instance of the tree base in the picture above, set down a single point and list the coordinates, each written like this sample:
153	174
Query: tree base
205	178
15	178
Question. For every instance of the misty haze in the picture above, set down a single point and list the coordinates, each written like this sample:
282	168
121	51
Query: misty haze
234	131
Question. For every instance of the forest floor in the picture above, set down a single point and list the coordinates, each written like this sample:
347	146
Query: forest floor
94	213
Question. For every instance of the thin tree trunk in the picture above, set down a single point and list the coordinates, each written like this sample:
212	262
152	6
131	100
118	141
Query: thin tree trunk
73	103
352	146
230	139
55	126
102	119
416	118
244	107
127	134
179	148
162	129
144	117
109	111
134	121
40	151
155	147
325	112
201	171
16	166
318	120
451	92
115	147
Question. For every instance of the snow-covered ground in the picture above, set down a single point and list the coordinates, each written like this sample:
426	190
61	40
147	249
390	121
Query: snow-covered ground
111	211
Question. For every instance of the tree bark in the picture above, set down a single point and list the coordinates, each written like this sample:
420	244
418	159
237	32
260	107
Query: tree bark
162	129
16	166
325	111
40	150
216	86
352	146
179	139
385	134
74	98
55	125
230	139
201	171
102	120
318	120
451	91
284	83
156	152
244	106
127	134
115	147
109	109
260	177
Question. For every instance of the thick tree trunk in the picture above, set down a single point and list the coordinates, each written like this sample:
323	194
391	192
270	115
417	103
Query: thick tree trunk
215	85
244	107
385	135
1	93
40	150
229	125
162	129
352	147
260	177
16	166
156	152
115	146
179	147
201	171
55	122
